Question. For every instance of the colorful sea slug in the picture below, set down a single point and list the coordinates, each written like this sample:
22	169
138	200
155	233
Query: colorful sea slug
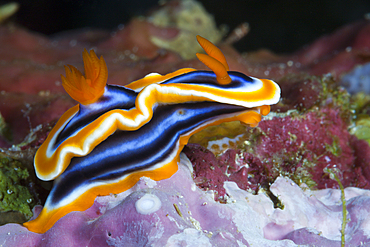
117	134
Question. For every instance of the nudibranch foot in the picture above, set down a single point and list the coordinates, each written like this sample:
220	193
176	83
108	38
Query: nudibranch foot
115	135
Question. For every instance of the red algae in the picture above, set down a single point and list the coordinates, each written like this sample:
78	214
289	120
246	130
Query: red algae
312	142
362	169
208	173
299	147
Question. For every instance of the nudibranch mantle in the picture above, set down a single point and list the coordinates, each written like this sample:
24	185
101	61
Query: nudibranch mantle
54	156
118	134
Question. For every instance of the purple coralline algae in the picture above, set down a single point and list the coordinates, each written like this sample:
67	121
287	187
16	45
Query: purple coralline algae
175	212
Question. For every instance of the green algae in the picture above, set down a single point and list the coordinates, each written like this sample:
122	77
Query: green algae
360	103
286	164
7	10
334	148
335	174
361	129
335	96
275	199
14	196
4	129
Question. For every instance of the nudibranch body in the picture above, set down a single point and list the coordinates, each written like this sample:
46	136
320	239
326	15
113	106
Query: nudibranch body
118	134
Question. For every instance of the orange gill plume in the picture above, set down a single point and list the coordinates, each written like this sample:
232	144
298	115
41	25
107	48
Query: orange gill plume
89	88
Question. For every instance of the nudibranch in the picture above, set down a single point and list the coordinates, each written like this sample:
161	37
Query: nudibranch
117	134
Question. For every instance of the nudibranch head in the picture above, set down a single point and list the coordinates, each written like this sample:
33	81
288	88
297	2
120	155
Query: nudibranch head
118	134
89	88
